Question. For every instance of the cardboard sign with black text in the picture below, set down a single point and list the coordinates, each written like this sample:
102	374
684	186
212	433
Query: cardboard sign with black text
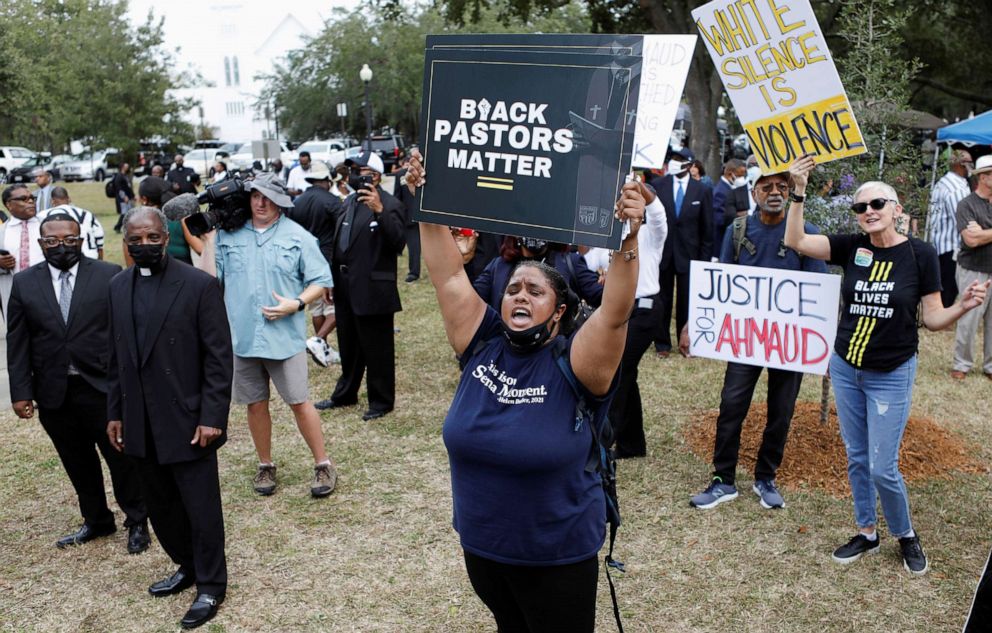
508	148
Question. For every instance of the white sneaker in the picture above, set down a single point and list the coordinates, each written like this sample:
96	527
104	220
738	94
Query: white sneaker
315	347
331	355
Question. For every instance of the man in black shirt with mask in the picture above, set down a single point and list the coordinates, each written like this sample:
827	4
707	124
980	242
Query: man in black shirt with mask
56	351
169	396
368	237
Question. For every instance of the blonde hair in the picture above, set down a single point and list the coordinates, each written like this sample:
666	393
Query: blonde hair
886	189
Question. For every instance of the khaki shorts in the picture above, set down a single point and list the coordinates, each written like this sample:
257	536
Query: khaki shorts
252	375
319	307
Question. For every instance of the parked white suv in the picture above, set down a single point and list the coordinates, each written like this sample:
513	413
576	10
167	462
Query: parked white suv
11	158
330	151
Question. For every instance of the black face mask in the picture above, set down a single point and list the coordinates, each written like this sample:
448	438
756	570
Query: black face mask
146	255
63	257
530	339
535	246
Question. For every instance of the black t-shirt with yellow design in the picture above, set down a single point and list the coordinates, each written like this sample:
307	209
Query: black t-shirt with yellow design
880	293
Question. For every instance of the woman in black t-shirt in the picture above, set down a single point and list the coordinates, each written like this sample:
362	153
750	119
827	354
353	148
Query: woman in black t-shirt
886	277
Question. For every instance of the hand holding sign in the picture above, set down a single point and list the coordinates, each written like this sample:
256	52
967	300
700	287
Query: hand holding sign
630	206
799	172
415	171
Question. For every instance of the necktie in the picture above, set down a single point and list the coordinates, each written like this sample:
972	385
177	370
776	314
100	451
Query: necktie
349	218
679	197
65	294
24	256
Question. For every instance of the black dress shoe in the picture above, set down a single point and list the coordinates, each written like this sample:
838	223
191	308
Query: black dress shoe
85	534
203	610
412	278
173	584
138	539
324	405
373	414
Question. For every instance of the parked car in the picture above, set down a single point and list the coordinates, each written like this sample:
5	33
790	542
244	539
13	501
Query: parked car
330	151
201	160
243	158
388	148
12	158
92	166
26	172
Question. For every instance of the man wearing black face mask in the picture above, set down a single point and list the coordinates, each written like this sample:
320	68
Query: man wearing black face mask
368	237
56	355
169	395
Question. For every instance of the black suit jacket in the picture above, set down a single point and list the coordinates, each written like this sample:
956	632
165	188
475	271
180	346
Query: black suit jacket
410	203
690	236
316	210
40	345
370	256
183	378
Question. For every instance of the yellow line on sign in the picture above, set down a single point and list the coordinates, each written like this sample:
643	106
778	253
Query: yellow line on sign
494	179
493	185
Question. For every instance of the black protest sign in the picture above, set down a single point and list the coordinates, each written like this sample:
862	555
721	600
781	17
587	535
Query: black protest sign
608	44
507	149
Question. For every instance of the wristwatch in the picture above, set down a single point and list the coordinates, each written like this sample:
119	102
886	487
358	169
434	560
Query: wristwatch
302	305
796	198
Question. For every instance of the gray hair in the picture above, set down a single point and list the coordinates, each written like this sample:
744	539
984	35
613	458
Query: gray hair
886	189
139	212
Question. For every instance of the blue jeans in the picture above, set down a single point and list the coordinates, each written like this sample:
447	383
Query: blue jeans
872	408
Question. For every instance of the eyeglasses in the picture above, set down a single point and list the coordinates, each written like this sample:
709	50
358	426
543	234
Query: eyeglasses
772	186
22	199
878	204
51	242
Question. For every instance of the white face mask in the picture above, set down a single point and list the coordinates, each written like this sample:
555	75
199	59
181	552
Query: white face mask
753	173
740	182
676	166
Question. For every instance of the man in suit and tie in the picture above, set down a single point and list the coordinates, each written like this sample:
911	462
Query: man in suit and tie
57	356
19	246
43	178
689	207
368	239
169	379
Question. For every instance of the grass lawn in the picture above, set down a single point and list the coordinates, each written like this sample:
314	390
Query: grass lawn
380	553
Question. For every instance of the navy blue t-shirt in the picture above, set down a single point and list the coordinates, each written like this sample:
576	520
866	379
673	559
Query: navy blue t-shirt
520	490
767	240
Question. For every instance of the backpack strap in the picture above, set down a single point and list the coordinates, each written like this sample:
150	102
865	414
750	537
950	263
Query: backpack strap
601	460
739	238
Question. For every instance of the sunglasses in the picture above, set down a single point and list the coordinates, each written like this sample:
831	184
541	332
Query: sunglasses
22	199
878	204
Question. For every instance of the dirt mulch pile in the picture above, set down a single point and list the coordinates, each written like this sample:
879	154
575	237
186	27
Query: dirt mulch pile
815	457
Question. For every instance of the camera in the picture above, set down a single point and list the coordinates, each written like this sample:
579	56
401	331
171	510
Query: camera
229	207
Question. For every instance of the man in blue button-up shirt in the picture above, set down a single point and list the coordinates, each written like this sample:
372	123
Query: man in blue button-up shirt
271	268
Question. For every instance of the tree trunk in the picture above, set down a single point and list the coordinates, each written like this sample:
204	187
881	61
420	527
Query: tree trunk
703	88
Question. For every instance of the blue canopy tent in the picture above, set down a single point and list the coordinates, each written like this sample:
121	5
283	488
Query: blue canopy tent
974	131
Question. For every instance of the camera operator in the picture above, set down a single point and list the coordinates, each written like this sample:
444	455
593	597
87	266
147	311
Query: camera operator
271	268
368	238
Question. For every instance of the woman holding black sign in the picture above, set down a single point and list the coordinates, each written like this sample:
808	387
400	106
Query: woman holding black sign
886	278
530	516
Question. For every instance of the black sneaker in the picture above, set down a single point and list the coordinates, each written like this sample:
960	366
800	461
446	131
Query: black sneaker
913	558
856	548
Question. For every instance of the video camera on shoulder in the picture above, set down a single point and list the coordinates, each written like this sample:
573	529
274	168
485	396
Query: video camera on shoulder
229	207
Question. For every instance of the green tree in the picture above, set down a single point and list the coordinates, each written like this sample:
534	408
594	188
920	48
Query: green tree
82	72
390	39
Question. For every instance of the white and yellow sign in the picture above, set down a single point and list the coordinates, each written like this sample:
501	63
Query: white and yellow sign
777	69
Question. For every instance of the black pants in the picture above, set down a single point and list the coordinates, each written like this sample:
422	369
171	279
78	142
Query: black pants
556	599
77	429
364	342
185	510
413	248
735	400
626	413
677	284
948	281
980	618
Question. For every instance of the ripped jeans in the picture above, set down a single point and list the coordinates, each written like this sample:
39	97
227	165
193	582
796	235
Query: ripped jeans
872	408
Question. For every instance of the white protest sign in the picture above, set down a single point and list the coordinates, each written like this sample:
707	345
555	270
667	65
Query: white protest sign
663	74
777	69
786	319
